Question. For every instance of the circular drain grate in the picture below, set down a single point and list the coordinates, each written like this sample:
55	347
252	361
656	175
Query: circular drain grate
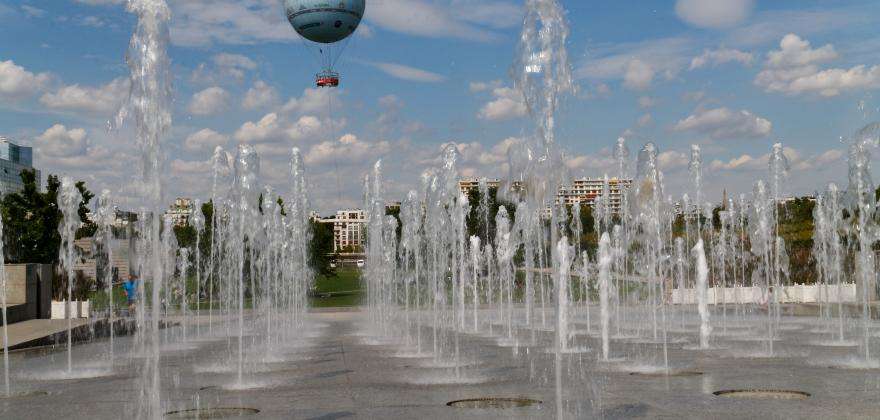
494	403
212	413
763	394
24	394
662	374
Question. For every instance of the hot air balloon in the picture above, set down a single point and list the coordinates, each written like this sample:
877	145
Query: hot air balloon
325	25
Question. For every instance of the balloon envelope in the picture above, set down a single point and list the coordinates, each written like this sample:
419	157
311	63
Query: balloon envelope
324	21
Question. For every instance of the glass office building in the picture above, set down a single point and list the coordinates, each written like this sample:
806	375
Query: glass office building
13	159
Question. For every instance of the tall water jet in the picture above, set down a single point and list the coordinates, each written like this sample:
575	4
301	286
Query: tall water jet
68	202
862	204
702	293
245	198
605	260
562	259
149	105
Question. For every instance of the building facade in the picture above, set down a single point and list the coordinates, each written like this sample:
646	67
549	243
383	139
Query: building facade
349	227
13	159
180	211
580	191
587	190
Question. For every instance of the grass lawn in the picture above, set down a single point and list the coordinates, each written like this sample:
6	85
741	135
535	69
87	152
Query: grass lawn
340	290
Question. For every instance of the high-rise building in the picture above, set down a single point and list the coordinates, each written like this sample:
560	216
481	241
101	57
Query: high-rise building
13	159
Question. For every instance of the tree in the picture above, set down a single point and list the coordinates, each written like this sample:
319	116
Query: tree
321	248
31	220
88	227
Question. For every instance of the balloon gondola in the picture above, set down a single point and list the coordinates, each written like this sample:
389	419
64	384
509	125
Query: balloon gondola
325	26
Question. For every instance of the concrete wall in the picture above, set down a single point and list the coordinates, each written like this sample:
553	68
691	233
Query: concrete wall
28	291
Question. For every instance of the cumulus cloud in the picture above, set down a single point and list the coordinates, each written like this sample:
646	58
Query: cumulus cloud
102	100
639	75
411	74
463	19
721	56
236	22
794	69
715	14
204	140
209	101
724	123
637	64
798	160
17	82
260	95
58	141
484	86
507	103
645	120
32	11
266	128
223	67
348	149
646	102
312	101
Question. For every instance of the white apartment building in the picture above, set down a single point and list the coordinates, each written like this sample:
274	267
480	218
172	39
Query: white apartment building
180	211
349	227
580	191
587	190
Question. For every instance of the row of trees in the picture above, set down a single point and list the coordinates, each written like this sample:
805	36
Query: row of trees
31	219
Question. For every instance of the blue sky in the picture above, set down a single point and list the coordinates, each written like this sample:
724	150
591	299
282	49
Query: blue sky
734	76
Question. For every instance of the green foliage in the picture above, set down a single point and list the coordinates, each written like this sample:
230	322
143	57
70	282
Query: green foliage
475	225
89	227
321	248
30	220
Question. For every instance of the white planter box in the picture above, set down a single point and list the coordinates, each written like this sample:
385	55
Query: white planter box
78	309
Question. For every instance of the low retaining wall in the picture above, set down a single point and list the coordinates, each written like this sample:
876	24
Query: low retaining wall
799	293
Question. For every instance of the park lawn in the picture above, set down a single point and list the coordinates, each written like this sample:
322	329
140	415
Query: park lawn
344	289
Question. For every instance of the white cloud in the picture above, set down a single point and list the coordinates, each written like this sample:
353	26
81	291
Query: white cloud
507	103
412	74
796	52
484	86
724	123
639	75
721	56
638	64
647	102
235	61
714	13
204	140
798	160
225	66
100	2
463	19
209	101
236	22
102	100
16	82
645	119
672	160
32	11
58	141
266	128
793	69
312	101
348	149
260	95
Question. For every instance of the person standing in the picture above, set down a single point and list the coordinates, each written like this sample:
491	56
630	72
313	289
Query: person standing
130	289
